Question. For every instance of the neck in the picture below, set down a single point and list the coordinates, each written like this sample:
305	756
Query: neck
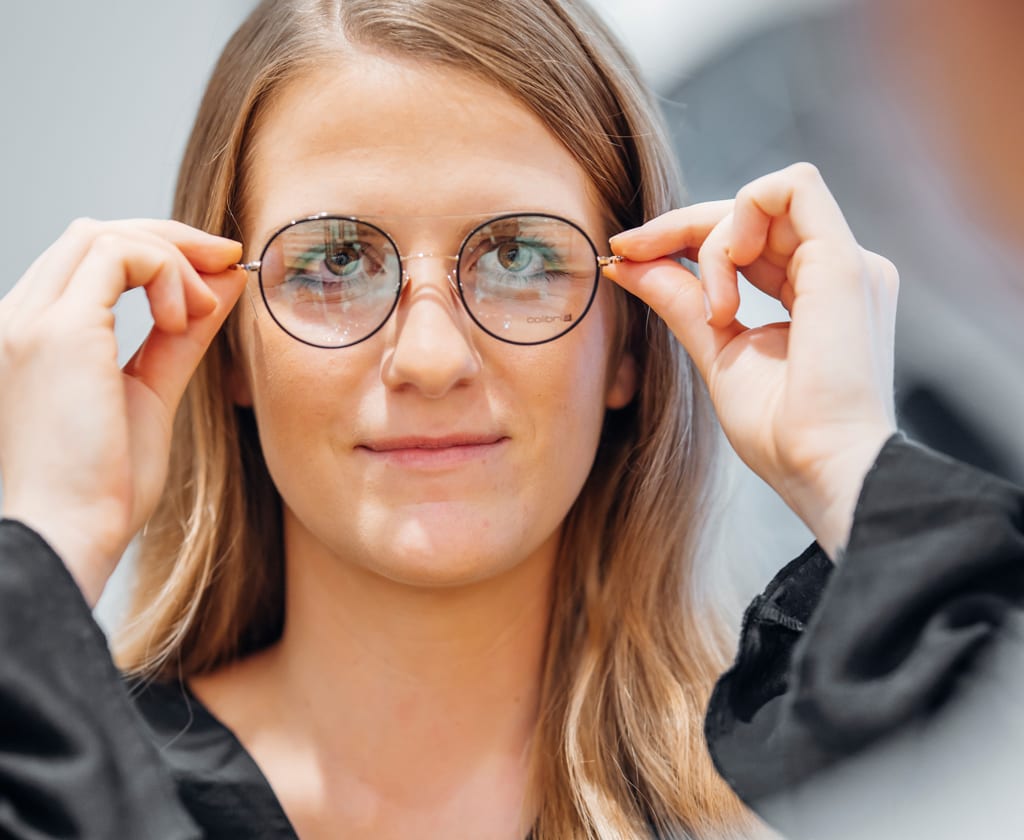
415	691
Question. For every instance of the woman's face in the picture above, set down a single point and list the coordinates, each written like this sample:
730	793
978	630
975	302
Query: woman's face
431	453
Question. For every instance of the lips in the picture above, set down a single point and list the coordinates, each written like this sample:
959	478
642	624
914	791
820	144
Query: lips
418	452
428	443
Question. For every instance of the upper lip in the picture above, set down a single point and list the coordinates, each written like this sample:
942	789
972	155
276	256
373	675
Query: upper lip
424	442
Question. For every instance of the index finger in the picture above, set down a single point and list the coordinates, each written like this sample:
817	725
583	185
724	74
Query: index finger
677	232
797	194
47	277
208	252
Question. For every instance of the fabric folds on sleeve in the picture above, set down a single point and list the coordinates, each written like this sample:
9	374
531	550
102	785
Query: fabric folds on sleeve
74	759
832	661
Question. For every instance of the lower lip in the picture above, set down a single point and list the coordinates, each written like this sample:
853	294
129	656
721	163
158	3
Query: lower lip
430	458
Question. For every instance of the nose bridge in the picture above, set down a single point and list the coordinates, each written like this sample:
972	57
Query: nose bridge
449	261
433	348
424	298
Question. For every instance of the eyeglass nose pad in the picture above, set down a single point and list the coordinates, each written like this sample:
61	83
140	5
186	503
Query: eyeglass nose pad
450	272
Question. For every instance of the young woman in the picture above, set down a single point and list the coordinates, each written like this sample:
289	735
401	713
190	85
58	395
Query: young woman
420	541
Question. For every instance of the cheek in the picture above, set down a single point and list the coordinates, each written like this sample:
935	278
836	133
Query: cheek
295	395
570	390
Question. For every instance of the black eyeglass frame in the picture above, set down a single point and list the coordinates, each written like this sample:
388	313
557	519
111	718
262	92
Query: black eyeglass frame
599	263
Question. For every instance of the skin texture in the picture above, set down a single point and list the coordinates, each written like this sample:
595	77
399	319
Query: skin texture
417	580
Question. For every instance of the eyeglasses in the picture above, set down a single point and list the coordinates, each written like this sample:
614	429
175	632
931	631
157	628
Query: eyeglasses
333	281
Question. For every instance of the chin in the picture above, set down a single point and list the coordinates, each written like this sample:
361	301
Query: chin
434	545
416	555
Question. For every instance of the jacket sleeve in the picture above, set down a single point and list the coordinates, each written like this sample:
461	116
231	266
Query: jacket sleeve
74	759
833	660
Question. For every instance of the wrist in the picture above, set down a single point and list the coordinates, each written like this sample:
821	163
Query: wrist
825	497
88	562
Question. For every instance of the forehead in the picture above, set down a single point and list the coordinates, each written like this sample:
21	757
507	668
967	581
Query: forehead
372	136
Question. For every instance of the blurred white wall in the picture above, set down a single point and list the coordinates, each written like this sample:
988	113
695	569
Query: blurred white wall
98	99
671	37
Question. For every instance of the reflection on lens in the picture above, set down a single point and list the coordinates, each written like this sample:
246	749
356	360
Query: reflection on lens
527	278
330	282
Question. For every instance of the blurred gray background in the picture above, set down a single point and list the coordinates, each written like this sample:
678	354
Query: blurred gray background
98	99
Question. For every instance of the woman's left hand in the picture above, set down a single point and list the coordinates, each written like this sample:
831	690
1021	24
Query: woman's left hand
808	403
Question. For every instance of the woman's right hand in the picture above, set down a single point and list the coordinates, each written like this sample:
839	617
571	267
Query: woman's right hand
84	445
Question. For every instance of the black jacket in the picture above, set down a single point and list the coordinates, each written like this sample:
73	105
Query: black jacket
832	662
880	698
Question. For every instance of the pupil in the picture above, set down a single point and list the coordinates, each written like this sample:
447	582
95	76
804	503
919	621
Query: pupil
510	256
339	260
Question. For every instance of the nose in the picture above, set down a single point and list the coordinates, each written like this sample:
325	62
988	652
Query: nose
432	350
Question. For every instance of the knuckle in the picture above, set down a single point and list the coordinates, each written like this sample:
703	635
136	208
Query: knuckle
890	272
894	281
884	269
806	171
744	195
116	247
892	284
18	344
8	344
82	227
105	244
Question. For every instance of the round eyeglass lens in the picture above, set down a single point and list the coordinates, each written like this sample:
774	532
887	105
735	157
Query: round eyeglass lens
527	279
330	282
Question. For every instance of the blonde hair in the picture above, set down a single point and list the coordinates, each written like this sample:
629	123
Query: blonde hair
631	654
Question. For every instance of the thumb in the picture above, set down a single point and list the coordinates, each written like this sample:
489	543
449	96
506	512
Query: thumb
166	361
678	297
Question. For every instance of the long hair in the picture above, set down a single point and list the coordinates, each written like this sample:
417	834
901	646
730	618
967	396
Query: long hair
632	651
